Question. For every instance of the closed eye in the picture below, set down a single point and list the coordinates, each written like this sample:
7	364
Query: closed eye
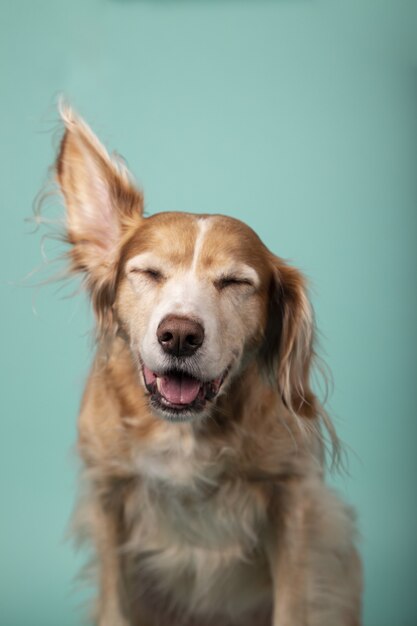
232	281
148	272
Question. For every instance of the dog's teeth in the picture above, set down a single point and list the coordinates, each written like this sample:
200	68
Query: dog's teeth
158	384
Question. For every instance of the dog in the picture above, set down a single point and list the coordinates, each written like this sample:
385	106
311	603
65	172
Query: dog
201	438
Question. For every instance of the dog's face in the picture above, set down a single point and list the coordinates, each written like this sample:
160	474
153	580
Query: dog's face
192	300
196	297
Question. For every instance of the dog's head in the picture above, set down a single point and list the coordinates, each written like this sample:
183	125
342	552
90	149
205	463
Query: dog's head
197	298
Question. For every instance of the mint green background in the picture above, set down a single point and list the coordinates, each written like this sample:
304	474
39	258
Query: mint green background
298	117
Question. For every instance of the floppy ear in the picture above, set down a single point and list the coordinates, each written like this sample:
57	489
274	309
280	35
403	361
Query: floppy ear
102	205
289	338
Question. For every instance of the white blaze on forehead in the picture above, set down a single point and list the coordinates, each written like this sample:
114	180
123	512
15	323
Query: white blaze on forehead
203	227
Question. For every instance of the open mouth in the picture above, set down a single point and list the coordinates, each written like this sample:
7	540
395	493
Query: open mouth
179	393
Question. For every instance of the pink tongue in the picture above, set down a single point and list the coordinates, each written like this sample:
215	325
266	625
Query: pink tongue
179	389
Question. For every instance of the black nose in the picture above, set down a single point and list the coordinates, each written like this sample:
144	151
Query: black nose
180	336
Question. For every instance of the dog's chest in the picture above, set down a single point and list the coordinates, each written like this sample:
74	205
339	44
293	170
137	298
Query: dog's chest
188	495
193	527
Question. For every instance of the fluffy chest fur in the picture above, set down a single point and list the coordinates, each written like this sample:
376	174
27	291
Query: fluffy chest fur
199	542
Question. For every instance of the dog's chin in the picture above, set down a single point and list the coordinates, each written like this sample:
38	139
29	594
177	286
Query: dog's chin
180	397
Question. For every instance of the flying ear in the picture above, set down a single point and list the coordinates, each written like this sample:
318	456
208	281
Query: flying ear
289	338
102	205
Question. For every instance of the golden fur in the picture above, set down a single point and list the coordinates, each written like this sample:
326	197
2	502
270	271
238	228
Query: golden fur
216	516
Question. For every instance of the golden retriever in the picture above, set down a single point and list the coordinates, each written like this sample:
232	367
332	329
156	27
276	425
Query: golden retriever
200	435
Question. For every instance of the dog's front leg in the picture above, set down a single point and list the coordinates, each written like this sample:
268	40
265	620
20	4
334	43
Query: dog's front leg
286	555
105	531
315	569
106	527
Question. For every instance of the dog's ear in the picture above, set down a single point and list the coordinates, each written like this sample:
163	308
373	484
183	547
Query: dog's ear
102	205
100	197
288	348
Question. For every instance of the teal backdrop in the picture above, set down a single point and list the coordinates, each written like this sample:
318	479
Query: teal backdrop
297	116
